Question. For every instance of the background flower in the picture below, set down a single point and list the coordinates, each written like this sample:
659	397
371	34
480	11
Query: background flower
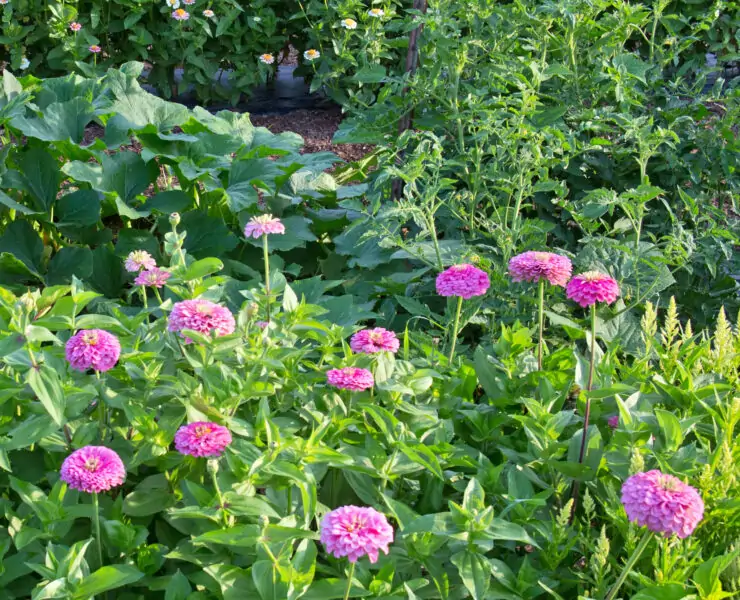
139	260
591	287
93	469
354	532
311	54
349	23
75	26
208	13
375	340
533	266
180	15
93	349
202	439
202	316
95	49
267	58
350	378
155	277
263	225
463	280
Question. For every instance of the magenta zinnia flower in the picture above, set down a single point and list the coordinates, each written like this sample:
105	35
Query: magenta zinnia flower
375	340
139	260
350	378
263	225
463	280
202	316
663	503
155	277
202	439
95	49
93	349
613	421
534	266
93	469
356	531
592	287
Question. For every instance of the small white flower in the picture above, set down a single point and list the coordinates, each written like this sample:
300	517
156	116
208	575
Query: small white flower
349	23
25	63
257	19
376	12
267	58
173	3
311	54
4	1
208	13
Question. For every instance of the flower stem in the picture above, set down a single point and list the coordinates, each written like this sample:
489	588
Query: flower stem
96	526
630	563
455	328
143	296
221	505
542	323
587	414
157	294
350	575
267	274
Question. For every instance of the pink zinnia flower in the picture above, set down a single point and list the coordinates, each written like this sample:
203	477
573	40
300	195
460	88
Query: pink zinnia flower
93	349
155	277
75	26
356	531
350	378
591	287
663	503
95	49
613	421
533	266
262	324
463	280
263	225
139	260
93	469
202	439
375	340
180	15
208	13
202	316
188	2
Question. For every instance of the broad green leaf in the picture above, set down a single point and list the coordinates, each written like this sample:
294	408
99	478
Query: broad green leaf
303	569
68	262
40	174
474	571
59	121
240	536
201	268
78	208
45	383
23	242
670	427
107	578
178	588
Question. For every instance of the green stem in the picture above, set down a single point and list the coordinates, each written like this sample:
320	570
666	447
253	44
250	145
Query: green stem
96	526
455	328
593	348
143	296
541	322
630	563
350	575
221	505
157	294
435	241
267	274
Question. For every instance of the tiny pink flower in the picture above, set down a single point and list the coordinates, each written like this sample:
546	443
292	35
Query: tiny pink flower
202	439
208	13
263	225
613	421
180	15
592	287
202	316
139	260
93	469
375	340
155	277
356	531
262	324
534	266
75	26
350	378
188	2
95	49
663	503
93	349
463	280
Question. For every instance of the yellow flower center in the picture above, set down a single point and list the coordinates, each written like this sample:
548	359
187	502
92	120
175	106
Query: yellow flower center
92	464
668	484
376	337
593	276
542	256
202	430
90	338
205	309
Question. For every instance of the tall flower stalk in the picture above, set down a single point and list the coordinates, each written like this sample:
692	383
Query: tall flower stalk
263	226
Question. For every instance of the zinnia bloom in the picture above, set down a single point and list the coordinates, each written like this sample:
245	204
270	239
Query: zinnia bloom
208	13
202	316
613	421
663	503
93	469
75	26
376	12
356	531
350	378
311	54
24	64
463	280
180	15
202	439
349	24
534	266
375	340
263	225
591	287
262	324
267	58
4	1
95	49
93	349
173	3
155	277
139	260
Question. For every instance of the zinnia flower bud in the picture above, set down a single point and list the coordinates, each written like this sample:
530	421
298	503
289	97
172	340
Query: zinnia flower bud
174	219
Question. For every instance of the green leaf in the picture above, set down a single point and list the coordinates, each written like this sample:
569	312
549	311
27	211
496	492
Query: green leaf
178	588
303	569
108	276
59	121
707	574
106	578
68	262
207	235
201	268
23	242
169	202
266	578
40	174
422	455
145	502
370	74
474	571
670	428
240	536
127	175
47	386
79	208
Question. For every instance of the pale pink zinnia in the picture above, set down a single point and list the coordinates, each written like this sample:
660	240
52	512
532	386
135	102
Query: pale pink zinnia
350	378
613	421
463	280
263	225
202	439
93	349
663	503
202	316
180	15
208	13
534	266
375	340
75	26
356	531
139	260
95	49
155	277
93	469
592	287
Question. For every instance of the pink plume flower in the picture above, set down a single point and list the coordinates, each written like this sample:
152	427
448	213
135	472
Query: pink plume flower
663	503
263	225
463	280
534	266
350	378
356	531
93	469
202	316
93	349
592	287
202	439
139	260
613	421
375	340
155	277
